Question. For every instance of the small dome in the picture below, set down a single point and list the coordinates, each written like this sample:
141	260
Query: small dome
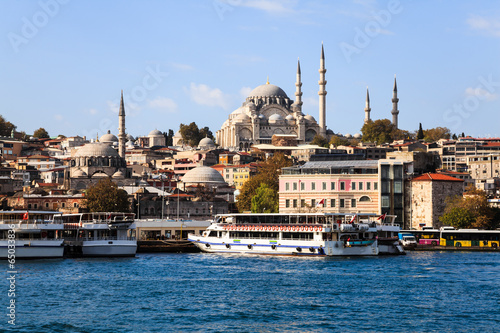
310	118
118	174
130	137
155	133
206	142
261	116
79	173
108	138
275	117
203	174
95	150
243	117
348	136
130	144
289	117
357	136
268	90
99	175
178	135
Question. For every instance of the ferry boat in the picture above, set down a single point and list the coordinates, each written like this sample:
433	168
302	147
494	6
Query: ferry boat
388	239
36	234
100	234
314	234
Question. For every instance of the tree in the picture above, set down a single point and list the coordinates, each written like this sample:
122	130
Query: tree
379	131
41	133
470	211
267	173
320	141
420	134
169	137
192	135
339	141
6	127
105	196
454	137
434	134
265	200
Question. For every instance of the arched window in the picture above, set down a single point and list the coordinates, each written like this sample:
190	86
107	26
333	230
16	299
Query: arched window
365	198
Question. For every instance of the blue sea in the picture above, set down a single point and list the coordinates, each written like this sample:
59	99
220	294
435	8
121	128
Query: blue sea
419	292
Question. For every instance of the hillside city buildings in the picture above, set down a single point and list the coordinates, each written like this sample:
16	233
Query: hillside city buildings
407	178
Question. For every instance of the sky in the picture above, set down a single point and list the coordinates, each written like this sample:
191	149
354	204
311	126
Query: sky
63	63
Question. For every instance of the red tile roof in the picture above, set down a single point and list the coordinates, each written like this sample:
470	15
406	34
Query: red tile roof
436	177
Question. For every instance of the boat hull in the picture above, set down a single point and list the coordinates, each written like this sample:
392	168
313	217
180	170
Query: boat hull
104	248
37	249
284	247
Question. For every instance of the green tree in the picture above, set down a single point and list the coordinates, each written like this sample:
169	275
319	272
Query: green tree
265	200
41	133
267	173
192	135
169	137
434	134
378	131
105	196
6	127
336	141
420	134
320	141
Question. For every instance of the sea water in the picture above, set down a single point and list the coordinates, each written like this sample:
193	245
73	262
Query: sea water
419	292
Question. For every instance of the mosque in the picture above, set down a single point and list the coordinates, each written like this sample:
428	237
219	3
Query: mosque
268	111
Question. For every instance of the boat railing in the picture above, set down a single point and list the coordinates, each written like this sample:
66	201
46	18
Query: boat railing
33	239
110	238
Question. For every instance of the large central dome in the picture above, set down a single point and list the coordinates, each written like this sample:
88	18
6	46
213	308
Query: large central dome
268	90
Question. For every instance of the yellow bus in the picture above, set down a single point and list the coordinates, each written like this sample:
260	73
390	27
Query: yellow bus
470	238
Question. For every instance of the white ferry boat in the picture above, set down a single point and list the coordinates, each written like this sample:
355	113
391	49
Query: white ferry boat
388	230
36	234
312	234
100	234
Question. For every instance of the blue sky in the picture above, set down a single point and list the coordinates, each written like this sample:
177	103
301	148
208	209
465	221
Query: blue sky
64	62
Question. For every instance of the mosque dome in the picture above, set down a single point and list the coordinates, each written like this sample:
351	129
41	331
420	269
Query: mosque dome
243	117
96	149
275	117
178	134
108	138
348	136
99	175
155	133
203	174
79	173
261	116
310	118
268	90
289	117
206	142
129	144
357	136
118	174
130	137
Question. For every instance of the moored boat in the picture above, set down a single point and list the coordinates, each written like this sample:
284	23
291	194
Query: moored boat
30	235
388	240
314	234
100	234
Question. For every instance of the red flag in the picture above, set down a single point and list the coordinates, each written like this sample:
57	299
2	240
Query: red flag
320	203
382	217
353	218
25	216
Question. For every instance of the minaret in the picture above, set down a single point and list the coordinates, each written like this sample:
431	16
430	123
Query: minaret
367	107
322	94
122	137
395	101
298	85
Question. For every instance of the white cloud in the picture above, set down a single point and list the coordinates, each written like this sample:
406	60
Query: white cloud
204	95
488	26
480	93
270	6
244	92
164	104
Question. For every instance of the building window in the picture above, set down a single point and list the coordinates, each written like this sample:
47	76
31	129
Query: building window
35	206
342	186
295	186
375	186
287	186
313	186
313	203
397	187
353	186
29	206
63	205
332	202
368	186
342	203
353	203
287	203
360	186
302	186
46	205
323	187
385	201
332	186
302	203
